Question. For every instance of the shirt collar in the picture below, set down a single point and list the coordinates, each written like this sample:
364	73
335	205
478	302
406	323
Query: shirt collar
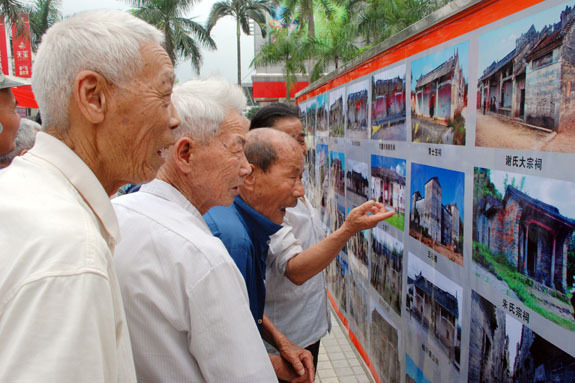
260	224
59	155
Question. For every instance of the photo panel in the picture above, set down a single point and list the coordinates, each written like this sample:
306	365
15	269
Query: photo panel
322	187
523	242
336	280
337	171
358	251
388	104
358	309
310	117
321	128
437	210
439	89
385	343
386	267
356	111
502	349
413	373
388	177
356	181
525	75
434	318
337	112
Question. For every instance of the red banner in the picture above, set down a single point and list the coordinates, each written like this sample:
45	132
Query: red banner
3	48
22	50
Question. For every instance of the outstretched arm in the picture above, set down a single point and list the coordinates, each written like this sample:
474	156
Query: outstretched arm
311	261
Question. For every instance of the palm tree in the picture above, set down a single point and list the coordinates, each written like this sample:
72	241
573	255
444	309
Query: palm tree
43	14
289	49
183	35
305	10
243	11
10	10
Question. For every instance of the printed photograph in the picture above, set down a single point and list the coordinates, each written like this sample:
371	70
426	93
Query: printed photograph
388	105
322	186
336	113
388	186
357	181
310	117
308	178
337	169
413	373
358	250
502	349
321	128
434	305
336	280
358	309
384	342
436	217
525	74
439	85
386	267
356	112
523	242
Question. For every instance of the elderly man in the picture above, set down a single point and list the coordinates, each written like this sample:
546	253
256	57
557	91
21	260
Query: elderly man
9	119
107	114
273	188
186	302
24	141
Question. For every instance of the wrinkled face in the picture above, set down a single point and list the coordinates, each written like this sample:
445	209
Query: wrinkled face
143	117
10	121
222	164
293	127
279	187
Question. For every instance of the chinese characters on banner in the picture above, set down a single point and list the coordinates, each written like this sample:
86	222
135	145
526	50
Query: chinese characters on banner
3	49
22	50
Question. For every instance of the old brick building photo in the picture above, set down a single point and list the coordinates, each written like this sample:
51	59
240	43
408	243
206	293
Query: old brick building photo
384	346
523	236
388	109
356	111
386	267
439	96
357	181
337	171
358	307
336	113
321	128
436	216
434	307
388	186
525	98
336	280
310	117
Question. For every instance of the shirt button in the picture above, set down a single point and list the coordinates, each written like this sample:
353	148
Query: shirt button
260	321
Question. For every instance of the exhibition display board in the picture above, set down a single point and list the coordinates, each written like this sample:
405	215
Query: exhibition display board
465	127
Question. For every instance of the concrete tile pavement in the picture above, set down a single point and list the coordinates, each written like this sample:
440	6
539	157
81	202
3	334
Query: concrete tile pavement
339	361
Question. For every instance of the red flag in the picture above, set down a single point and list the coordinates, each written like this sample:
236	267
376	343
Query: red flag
3	48
22	50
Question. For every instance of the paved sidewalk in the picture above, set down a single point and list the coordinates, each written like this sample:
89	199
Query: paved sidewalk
339	361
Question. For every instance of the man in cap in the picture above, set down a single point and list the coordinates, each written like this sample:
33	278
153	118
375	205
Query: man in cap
9	119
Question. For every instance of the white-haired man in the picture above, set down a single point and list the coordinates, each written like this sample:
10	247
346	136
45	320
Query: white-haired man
103	83
186	301
24	141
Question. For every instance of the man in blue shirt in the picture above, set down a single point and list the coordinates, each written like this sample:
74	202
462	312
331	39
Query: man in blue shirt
257	213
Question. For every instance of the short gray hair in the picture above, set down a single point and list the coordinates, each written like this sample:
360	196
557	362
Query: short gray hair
105	41
264	144
203	106
24	140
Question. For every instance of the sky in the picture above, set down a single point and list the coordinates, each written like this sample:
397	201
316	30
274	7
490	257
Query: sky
222	62
501	41
428	63
452	184
388	74
389	163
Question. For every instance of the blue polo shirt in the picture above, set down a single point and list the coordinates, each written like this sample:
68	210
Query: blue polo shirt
246	234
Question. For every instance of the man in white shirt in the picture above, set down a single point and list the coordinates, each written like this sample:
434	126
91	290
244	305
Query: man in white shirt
103	83
186	301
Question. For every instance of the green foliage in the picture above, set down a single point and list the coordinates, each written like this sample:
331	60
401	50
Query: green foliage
251	112
10	10
43	14
398	220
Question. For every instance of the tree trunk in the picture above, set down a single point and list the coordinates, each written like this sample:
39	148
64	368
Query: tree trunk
238	35
287	81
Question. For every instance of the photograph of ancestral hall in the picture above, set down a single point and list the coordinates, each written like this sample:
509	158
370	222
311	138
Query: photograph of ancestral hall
358	308
434	307
413	373
437	215
322	186
357	181
384	345
321	128
523	242
502	349
357	110
358	250
337	171
526	73
439	85
386	267
336	113
388	186
388	104
310	117
336	280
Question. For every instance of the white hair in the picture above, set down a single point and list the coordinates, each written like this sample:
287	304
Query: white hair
25	139
105	41
203	105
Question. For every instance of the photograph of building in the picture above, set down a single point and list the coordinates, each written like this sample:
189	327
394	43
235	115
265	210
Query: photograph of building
337	170
524	96
384	346
436	215
386	267
523	227
336	113
439	96
310	117
358	250
502	349
357	110
358	309
357	181
434	304
388	186
388	104
322	186
321	128
413	373
336	280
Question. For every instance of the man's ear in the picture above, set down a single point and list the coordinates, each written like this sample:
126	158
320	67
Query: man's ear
182	152
90	96
251	179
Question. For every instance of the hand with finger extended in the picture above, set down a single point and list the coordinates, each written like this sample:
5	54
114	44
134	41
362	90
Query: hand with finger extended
366	216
